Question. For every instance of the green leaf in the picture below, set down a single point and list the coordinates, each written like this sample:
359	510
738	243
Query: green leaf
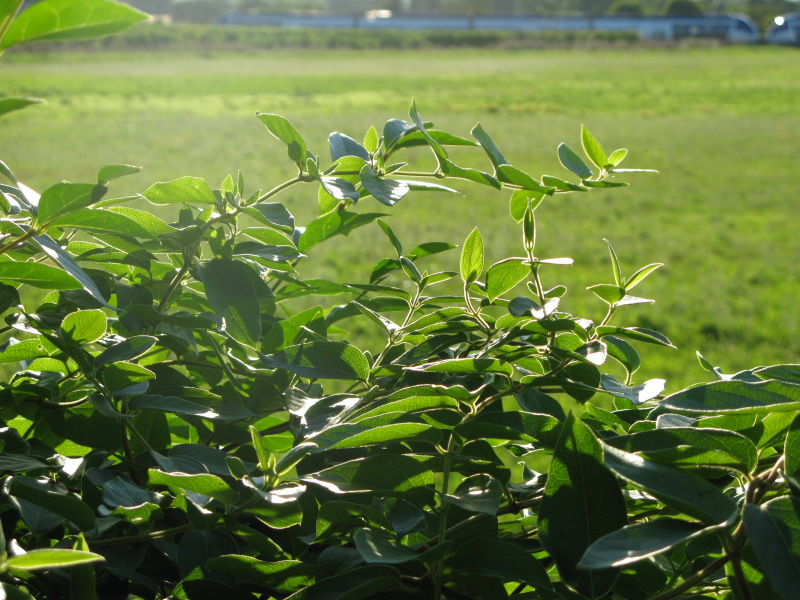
436	147
285	132
638	394
582	503
573	162
336	223
110	172
63	198
386	191
471	265
791	449
593	149
84	326
509	174
640	275
490	557
639	334
8	105
618	279
38	275
343	145
50	247
639	541
371	581
325	360
126	349
184	190
774	532
284	575
676	488
451	169
371	139
204	484
739	397
376	546
489	146
103	221
231	294
479	493
65	505
466	365
426	186
504	276
273	214
608	293
785	373
147	220
563	184
52	558
623	352
69	20
617	157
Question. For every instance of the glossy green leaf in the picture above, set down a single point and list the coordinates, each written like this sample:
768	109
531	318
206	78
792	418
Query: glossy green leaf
479	493
65	505
451	169
490	557
38	275
471	265
676	488
504	276
184	190
84	326
343	145
607	292
361	583
573	162
231	294
50	247
282	129
125	350
376	546
335	223
284	575
69	20
510	174
639	541
466	365
617	156
640	275
785	373
791	449
774	532
488	145
593	149
582	503
64	198
273	214
204	484
639	334
144	219
741	397
101	220
325	360
637	394
52	558
110	172
623	352
386	191
8	105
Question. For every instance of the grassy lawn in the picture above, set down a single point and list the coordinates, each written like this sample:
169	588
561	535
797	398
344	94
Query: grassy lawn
720	124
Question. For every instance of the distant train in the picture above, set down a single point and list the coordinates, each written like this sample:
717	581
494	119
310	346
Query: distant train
732	28
785	29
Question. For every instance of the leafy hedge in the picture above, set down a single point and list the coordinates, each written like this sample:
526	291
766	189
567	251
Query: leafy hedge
180	428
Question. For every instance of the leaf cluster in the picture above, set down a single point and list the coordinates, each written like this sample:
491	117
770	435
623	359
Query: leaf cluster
177	423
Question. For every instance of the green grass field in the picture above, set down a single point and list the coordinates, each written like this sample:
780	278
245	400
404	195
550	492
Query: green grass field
721	125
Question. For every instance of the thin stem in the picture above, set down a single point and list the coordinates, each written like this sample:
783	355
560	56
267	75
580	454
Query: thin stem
279	188
693	580
10	245
142	537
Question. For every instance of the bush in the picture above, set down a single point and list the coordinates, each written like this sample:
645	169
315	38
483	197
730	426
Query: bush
684	8
183	425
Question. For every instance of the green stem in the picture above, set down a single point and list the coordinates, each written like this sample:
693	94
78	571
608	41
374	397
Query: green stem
143	537
10	245
279	188
442	535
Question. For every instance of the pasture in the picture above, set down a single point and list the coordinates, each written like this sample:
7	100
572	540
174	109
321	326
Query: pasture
720	124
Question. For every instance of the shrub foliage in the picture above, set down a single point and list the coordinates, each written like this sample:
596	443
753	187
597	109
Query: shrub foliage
189	420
